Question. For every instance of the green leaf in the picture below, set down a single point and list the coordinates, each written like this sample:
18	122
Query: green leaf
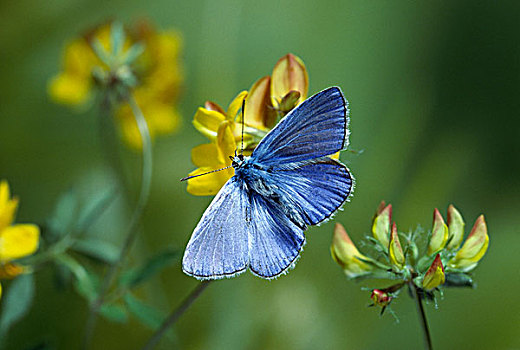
84	282
148	315
94	208
64	215
117	37
97	249
17	302
132	53
134	277
114	312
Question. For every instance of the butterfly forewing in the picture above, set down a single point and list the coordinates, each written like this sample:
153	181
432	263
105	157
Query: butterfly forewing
315	128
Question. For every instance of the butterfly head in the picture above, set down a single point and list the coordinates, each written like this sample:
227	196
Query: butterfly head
237	160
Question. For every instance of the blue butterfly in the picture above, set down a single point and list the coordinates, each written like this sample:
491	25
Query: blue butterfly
258	218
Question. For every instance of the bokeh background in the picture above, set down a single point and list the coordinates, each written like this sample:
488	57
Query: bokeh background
434	90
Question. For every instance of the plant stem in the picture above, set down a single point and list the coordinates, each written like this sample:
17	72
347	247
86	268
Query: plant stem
146	179
422	315
175	315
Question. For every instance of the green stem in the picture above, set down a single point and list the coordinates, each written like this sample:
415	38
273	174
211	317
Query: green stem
175	315
422	315
146	180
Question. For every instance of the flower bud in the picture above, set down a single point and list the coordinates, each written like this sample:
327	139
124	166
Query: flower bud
345	253
474	248
434	277
439	233
396	254
259	112
381	223
455	228
380	298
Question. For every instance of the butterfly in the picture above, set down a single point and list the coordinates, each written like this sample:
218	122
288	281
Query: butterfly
258	218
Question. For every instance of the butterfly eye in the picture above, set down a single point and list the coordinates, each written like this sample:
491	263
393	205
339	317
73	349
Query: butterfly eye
241	156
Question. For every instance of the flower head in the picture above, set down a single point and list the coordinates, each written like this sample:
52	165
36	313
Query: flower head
434	277
380	298
140	60
268	99
345	253
473	248
16	240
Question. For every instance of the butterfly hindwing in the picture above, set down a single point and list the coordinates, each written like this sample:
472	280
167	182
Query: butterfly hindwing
316	189
219	244
317	127
276	241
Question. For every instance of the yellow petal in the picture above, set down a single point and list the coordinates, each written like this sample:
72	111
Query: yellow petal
69	89
212	106
207	122
210	184
395	250
162	118
345	253
235	106
226	143
259	112
79	59
18	241
8	206
455	227
439	233
289	74
206	155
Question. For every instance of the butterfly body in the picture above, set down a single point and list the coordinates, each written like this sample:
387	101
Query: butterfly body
258	218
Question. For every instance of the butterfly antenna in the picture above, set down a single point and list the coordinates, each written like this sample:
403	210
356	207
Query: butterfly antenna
243	121
209	172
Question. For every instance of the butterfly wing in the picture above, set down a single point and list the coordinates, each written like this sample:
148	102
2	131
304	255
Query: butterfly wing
276	241
317	127
316	190
218	246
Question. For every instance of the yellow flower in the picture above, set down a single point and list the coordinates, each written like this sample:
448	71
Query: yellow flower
345	253
434	277
154	76
439	233
473	249
395	251
16	240
289	77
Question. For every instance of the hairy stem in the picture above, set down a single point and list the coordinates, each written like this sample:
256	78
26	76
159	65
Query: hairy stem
175	315
146	179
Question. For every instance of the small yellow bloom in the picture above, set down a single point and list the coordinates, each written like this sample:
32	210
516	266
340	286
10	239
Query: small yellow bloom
260	116
455	228
434	277
439	233
381	223
395	251
16	240
213	156
155	76
474	248
345	253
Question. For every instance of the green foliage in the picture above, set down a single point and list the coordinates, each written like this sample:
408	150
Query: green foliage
17	302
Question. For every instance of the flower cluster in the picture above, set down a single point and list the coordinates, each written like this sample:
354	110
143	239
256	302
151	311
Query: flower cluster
269	99
140	59
16	240
401	257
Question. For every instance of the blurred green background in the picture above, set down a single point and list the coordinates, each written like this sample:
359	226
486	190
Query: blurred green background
434	90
